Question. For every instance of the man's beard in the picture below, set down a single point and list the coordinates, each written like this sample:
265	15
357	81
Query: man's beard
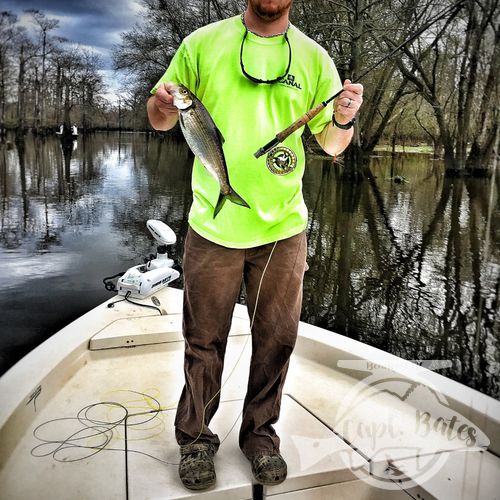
268	13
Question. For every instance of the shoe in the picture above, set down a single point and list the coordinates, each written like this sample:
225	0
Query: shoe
269	468
196	468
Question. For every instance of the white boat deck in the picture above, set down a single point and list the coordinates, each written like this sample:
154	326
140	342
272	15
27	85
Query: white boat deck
89	415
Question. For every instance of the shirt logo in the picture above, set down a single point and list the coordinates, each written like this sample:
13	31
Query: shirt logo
281	160
290	81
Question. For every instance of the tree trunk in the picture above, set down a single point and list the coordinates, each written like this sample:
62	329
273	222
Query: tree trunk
3	63
462	128
485	138
356	160
37	101
66	138
67	108
42	89
58	94
353	157
21	94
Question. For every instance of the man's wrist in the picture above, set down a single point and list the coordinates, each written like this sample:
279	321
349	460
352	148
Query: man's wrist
341	124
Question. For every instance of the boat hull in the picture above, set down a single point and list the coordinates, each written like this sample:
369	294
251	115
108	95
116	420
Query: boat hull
89	414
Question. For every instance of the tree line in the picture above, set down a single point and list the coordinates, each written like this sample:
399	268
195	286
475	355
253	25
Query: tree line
46	80
442	89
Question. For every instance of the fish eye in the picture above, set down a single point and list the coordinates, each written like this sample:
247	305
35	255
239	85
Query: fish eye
184	91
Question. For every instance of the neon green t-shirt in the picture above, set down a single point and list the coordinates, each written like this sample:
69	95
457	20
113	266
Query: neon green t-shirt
249	115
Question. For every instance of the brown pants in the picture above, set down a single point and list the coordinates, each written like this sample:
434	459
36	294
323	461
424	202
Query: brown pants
212	280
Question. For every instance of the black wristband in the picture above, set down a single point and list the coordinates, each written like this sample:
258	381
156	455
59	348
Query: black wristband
347	126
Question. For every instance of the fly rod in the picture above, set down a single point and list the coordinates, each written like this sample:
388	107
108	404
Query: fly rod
309	115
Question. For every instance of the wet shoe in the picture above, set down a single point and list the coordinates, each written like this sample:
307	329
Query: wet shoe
269	468
196	468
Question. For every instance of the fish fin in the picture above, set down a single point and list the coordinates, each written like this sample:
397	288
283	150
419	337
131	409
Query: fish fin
232	196
236	198
181	119
220	204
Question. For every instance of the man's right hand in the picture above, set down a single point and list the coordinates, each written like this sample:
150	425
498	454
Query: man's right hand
164	101
161	110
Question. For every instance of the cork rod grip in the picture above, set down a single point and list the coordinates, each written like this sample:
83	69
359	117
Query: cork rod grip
306	117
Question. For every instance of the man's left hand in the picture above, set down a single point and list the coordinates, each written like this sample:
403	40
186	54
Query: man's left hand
348	102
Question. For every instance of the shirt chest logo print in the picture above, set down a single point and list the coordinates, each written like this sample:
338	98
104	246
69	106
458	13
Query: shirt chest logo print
281	160
291	82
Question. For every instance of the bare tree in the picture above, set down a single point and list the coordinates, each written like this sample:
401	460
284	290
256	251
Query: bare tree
146	51
464	92
351	31
26	53
8	32
45	25
89	85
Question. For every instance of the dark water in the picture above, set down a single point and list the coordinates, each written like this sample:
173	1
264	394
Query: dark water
412	267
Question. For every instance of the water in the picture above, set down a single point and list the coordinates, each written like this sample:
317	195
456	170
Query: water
411	267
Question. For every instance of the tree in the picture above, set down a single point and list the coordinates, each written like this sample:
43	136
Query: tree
146	51
47	75
442	66
88	86
349	30
26	52
455	99
45	25
8	32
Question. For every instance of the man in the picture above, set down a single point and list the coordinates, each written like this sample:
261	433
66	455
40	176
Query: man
255	74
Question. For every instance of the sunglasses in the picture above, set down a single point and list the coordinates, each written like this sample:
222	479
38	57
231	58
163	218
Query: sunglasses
258	80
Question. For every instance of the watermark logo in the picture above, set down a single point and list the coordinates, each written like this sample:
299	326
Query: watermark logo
398	422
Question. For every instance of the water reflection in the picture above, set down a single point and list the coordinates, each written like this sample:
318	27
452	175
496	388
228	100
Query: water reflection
409	267
406	268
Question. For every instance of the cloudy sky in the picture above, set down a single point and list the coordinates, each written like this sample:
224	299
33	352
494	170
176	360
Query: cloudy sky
94	24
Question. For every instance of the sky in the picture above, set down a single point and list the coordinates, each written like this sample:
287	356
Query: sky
93	24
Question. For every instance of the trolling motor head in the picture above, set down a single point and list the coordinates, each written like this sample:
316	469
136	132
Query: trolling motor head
155	274
161	232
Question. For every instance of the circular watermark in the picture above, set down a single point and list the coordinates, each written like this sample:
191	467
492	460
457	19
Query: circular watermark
401	424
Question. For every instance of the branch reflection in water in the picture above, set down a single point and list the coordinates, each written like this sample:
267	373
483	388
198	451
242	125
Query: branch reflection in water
411	267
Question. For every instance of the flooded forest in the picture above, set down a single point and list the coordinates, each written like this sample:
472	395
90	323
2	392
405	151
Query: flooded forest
441	89
403	230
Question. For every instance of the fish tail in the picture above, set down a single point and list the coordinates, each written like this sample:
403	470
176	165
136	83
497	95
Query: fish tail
236	198
232	196
220	204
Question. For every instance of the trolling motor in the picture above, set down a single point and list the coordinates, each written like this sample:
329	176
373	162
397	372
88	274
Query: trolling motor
143	280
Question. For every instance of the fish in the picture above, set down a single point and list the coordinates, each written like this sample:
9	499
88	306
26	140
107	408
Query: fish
205	141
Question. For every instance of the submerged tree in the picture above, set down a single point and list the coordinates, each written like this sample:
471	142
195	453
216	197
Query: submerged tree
445	69
442	66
